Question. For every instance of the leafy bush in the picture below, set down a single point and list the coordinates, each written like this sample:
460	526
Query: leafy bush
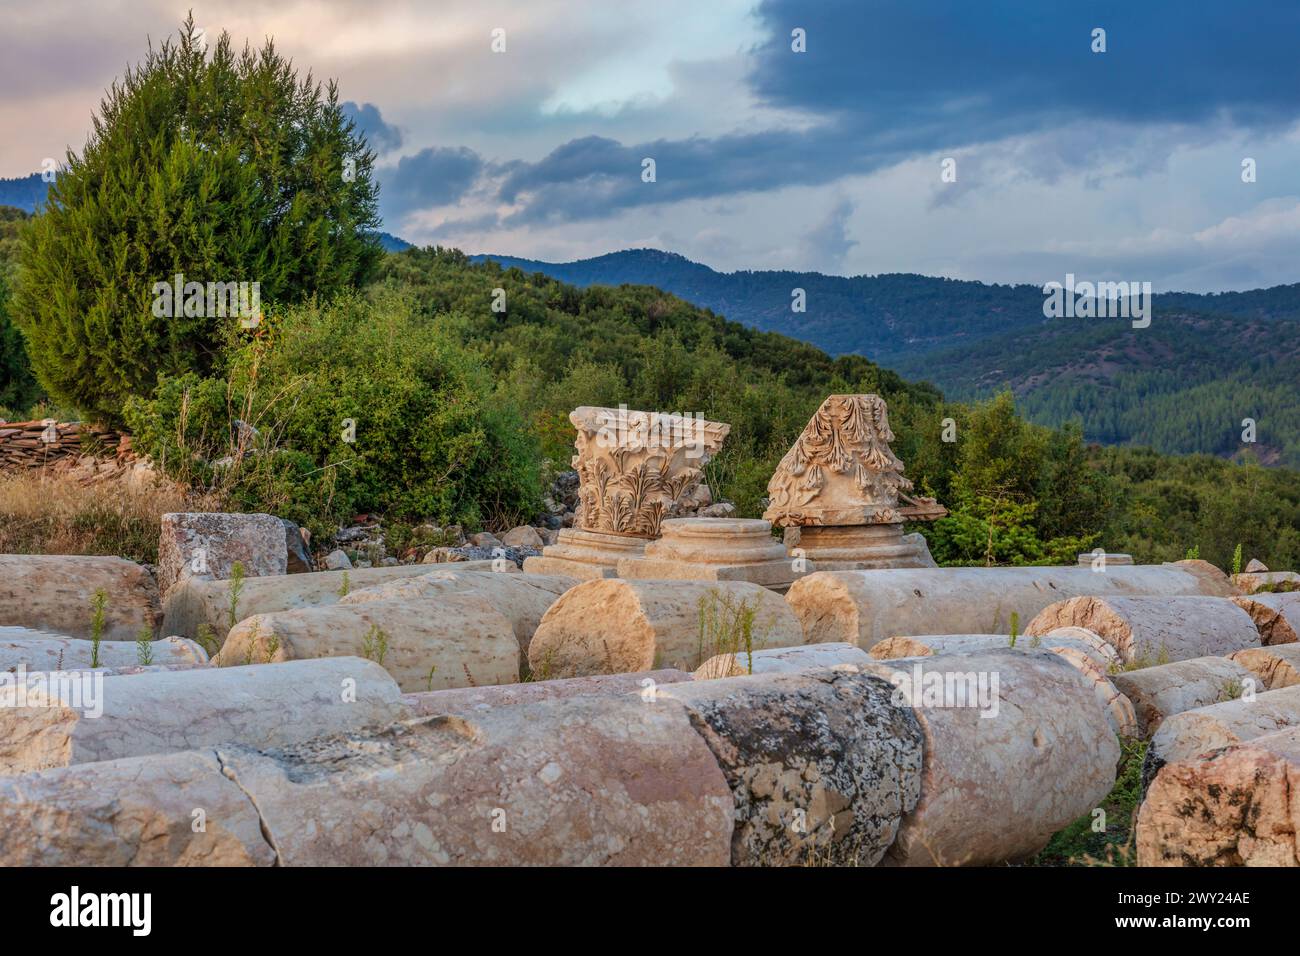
224	168
359	406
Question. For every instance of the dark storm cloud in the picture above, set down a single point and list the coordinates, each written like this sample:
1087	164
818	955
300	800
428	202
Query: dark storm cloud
435	176
889	80
381	135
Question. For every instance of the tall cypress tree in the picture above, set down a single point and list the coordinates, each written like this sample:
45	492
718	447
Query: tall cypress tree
221	166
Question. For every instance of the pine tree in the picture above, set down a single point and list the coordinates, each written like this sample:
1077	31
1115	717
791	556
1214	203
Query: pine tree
223	168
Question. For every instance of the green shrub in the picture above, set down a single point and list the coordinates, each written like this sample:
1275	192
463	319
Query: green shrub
359	406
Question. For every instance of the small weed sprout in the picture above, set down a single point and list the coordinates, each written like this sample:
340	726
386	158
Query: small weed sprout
1015	627
98	603
1236	560
272	646
726	627
374	645
345	586
207	639
236	587
252	643
428	683
144	647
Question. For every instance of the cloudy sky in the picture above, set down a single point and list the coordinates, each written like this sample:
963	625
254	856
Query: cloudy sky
1123	164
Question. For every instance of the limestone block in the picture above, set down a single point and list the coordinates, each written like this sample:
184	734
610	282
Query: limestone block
926	645
1239	806
1089	558
1275	667
468	701
522	598
1148	630
1008	769
457	641
55	593
46	724
821	764
140	811
50	653
208	544
865	607
1168	689
782	660
1086	652
585	554
613	626
595	781
1086	640
195	605
522	537
716	549
861	548
1256	582
1277	616
1194	732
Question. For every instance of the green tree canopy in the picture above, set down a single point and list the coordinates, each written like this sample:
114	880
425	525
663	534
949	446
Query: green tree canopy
221	166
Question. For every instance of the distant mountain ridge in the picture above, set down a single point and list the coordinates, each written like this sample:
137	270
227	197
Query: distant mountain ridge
1183	385
884	316
24	192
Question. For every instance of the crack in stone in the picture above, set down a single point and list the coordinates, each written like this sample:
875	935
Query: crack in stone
229	773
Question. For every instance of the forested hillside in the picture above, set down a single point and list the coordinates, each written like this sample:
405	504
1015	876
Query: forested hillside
1182	386
1187	382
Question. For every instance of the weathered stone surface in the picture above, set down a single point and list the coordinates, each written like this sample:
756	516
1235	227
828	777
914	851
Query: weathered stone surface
458	641
859	548
580	781
1168	689
297	557
585	555
1085	651
337	560
1275	667
783	660
135	812
1254	565
1239	806
39	651
717	549
55	593
995	788
194	605
1265	581
821	764
865	607
523	536
927	645
1276	616
44	725
1090	558
1100	651
522	598
612	626
207	545
1148	630
468	701
1194	732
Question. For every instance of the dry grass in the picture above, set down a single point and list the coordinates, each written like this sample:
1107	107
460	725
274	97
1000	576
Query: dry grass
55	513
